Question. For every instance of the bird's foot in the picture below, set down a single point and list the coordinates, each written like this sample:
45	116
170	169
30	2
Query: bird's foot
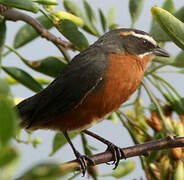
84	161
117	154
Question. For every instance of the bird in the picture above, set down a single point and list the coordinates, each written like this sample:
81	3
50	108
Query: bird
93	85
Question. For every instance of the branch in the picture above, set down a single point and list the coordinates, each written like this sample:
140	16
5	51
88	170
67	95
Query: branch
14	15
137	150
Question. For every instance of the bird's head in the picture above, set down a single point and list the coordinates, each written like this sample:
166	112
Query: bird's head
133	42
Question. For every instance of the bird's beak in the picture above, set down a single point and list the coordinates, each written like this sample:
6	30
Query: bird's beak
158	51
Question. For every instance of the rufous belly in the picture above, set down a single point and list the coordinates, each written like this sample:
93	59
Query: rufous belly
122	78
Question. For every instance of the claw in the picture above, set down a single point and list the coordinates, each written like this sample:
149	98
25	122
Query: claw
84	160
117	154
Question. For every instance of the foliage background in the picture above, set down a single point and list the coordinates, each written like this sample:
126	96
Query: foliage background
41	48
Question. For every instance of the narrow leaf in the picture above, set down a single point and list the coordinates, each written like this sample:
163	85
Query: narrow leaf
113	117
46	171
170	24
8	116
89	12
23	77
169	6
111	19
158	33
59	141
103	20
7	155
179	60
73	8
135	8
27	33
180	14
25	5
60	15
41	80
4	88
122	170
178	174
2	36
46	2
51	66
71	32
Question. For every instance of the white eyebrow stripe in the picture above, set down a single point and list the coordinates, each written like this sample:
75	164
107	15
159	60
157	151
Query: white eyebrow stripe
144	36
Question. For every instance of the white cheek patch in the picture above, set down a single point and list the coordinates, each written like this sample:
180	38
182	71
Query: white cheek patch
144	36
144	54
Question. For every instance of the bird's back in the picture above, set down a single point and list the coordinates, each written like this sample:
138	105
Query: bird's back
65	93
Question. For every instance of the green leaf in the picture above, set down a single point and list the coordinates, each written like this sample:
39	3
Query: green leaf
178	174
27	33
25	5
140	114
89	12
111	19
59	141
178	106
7	155
174	100
51	66
176	103
60	15
152	157
113	117
73	8
92	148
46	2
2	36
46	171
102	19
23	77
135	8
169	6
91	21
179	60
41	80
180	14
157	32
122	170
4	88
170	24
71	32
163	60
8	117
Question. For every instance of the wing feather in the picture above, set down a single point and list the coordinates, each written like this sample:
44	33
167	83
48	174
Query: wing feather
84	74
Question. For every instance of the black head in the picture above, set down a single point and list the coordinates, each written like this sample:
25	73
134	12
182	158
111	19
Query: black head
134	42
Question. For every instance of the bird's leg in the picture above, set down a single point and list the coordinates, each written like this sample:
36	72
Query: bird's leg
82	159
117	153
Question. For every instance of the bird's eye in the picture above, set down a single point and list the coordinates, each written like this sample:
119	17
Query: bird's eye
144	41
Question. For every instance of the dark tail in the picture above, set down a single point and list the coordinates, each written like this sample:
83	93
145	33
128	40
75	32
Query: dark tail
26	109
